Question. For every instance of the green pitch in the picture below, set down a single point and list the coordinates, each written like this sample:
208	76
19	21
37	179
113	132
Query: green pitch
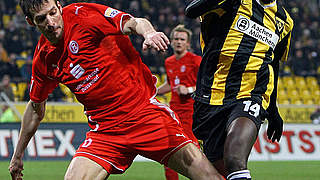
271	170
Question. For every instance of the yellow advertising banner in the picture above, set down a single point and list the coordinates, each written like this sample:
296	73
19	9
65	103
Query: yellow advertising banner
296	113
59	112
73	112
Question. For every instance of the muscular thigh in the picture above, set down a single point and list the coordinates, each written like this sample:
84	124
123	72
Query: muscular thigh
83	168
211	123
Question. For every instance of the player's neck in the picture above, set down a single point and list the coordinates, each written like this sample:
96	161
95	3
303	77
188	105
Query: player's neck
180	55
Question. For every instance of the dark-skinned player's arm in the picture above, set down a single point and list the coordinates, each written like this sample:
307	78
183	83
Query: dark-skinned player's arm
197	8
275	122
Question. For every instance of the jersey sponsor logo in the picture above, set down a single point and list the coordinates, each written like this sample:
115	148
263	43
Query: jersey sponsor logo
110	12
73	47
76	71
183	68
93	74
257	31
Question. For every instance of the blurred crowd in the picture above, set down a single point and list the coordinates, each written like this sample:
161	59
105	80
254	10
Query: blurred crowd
18	40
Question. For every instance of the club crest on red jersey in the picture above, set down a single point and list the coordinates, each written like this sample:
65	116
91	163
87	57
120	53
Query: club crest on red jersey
183	68
73	47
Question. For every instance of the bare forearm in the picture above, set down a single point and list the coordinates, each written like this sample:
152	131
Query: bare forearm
139	26
152	38
29	125
164	88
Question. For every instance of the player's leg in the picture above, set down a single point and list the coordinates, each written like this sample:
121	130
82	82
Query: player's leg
209	124
219	165
159	136
241	136
191	162
243	126
186	121
83	168
170	174
101	154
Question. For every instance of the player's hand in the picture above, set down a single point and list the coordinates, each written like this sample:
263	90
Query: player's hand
15	168
182	90
156	40
275	125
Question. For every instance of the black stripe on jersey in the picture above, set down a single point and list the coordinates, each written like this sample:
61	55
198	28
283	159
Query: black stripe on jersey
210	57
242	56
281	12
282	15
262	79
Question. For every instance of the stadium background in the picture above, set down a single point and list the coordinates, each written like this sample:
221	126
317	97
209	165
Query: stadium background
298	97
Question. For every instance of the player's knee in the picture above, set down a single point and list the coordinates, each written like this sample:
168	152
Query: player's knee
68	176
235	162
72	174
75	175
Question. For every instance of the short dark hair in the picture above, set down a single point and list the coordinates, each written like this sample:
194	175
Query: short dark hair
181	28
28	6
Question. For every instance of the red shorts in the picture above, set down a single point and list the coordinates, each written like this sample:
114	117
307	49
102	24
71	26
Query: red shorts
186	121
154	133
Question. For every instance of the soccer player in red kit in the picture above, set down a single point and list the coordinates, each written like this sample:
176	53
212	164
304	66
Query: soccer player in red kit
182	69
85	46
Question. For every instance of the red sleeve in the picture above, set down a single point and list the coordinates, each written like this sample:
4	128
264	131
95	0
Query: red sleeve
40	86
105	20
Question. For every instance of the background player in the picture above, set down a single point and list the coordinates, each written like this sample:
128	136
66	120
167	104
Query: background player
84	46
182	69
242	43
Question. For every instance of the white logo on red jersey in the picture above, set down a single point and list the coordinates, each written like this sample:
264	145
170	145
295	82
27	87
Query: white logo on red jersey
74	47
183	68
78	7
77	71
180	135
87	143
176	80
110	12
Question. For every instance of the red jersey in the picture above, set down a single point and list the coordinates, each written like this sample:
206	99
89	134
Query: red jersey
97	63
182	72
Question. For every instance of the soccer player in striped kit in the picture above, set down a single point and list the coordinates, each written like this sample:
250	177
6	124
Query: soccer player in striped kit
242	43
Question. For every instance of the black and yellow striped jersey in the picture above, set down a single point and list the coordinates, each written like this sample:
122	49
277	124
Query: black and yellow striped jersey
239	40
